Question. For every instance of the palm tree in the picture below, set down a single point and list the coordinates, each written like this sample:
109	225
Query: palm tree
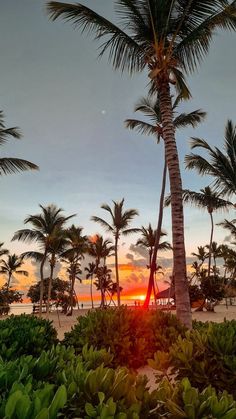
151	108
104	282
42	232
10	165
167	38
100	248
120	221
3	252
77	245
218	164
209	200
12	266
148	241
91	269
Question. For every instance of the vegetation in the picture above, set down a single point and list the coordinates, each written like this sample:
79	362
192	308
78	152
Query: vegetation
7	297
25	335
132	336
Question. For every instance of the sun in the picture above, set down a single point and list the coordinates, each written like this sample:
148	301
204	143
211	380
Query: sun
142	297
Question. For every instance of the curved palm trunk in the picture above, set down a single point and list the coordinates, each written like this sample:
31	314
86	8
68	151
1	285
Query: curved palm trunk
52	266
151	285
117	270
91	290
183	309
210	245
41	283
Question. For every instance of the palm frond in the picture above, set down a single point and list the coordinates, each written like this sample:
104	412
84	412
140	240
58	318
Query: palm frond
37	256
13	165
141	127
123	52
102	222
193	118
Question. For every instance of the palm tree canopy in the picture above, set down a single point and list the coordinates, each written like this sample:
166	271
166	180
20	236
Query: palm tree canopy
151	109
229	225
10	165
168	37
91	269
100	248
202	254
12	265
148	238
3	251
219	164
43	226
205	199
120	219
76	243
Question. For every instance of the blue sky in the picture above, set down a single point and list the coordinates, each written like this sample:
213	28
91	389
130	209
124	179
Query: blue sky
71	107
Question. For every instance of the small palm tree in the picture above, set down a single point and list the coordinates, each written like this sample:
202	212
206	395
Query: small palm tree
209	200
120	221
218	164
9	165
91	271
42	232
148	241
76	247
11	266
168	39
100	248
103	282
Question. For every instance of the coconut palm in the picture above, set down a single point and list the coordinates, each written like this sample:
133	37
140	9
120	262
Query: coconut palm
10	165
44	226
221	165
3	252
11	266
167	38
77	246
103	282
150	107
120	221
91	271
148	241
209	200
100	249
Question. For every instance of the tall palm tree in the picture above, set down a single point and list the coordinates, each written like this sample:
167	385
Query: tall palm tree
91	271
210	200
3	251
10	165
120	221
11	266
148	241
150	107
219	164
169	39
42	232
77	246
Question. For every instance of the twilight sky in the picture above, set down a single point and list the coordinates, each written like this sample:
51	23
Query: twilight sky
71	107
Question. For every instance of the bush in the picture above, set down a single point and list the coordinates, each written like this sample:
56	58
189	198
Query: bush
206	356
131	336
25	334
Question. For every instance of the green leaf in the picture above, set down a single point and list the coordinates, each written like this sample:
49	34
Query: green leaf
23	406
58	402
44	414
11	403
90	410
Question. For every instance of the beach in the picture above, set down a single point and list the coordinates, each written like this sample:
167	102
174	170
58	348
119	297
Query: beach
63	323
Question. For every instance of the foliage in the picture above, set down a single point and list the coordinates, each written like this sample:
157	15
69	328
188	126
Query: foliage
25	334
206	356
213	288
132	336
195	293
184	401
8	296
60	294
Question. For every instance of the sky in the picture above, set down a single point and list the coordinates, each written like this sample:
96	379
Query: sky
71	108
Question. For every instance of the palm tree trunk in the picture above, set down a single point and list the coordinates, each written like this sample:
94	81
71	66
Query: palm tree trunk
41	283
52	266
9	280
151	285
183	309
210	245
91	290
117	270
72	294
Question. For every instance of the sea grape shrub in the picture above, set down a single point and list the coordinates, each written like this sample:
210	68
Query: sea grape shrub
25	334
182	400
207	356
131	336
